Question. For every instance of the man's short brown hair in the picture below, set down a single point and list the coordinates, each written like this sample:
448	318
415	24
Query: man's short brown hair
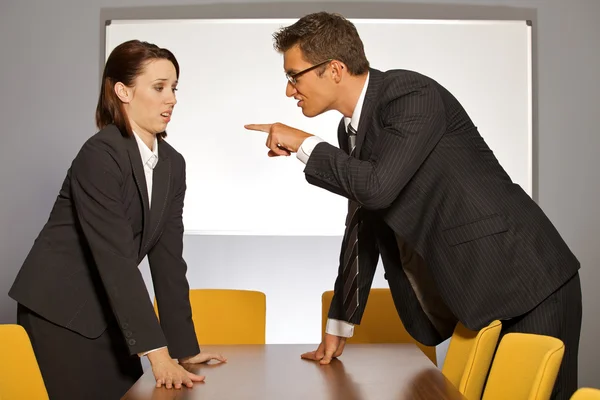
322	36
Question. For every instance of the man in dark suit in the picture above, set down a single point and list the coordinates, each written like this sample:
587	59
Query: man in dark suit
458	239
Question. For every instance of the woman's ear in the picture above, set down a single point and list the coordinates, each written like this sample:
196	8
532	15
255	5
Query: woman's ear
123	92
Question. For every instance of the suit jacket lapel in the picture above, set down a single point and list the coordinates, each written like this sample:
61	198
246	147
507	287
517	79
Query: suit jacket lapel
375	81
140	180
161	185
161	177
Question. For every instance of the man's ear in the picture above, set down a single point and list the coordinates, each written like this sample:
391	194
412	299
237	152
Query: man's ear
123	92
338	69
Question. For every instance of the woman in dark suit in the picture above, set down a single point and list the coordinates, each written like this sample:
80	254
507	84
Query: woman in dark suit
81	297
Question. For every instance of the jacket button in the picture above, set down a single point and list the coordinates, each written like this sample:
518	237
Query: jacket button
131	342
128	333
125	325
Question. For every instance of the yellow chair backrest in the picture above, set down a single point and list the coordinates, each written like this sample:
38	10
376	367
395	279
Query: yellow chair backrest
469	358
586	394
227	316
380	322
524	368
20	376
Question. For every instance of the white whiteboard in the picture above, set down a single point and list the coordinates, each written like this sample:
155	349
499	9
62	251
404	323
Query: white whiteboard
231	76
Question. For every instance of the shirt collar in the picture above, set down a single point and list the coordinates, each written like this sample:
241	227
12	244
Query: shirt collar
149	157
358	108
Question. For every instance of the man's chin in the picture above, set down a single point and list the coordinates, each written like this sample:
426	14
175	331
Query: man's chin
309	113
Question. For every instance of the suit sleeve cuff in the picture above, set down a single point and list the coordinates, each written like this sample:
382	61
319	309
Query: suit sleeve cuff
150	351
339	328
307	147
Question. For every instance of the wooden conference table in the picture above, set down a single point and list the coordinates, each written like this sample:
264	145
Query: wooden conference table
276	371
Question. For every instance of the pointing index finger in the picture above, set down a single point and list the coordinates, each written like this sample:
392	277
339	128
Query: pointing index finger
258	127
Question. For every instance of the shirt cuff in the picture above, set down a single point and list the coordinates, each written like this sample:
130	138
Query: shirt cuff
149	351
339	328
307	147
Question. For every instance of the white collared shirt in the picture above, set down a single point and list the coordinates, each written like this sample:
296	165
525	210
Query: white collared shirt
358	109
149	160
334	326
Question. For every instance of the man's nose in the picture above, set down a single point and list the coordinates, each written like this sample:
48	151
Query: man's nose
290	89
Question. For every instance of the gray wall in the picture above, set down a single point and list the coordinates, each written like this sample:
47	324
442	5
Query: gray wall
49	74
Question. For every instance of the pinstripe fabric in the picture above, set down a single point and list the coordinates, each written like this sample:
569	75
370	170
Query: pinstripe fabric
351	263
559	316
424	173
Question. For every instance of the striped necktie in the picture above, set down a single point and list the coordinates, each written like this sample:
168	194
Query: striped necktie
350	258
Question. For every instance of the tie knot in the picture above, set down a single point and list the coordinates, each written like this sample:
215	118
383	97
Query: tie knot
351	130
152	161
351	139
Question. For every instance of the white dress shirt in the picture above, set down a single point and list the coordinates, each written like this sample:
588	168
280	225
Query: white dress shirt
149	160
334	326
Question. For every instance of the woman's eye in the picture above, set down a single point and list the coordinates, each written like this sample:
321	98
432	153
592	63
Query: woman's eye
158	88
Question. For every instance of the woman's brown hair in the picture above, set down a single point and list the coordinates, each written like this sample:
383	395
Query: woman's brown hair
125	63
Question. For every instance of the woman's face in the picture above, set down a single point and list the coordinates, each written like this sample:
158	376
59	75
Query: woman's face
150	101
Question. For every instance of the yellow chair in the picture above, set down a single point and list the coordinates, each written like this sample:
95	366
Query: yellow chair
469	358
226	316
586	394
20	376
524	368
380	322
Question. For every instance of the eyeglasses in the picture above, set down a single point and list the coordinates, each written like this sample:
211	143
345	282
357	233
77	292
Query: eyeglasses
293	77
